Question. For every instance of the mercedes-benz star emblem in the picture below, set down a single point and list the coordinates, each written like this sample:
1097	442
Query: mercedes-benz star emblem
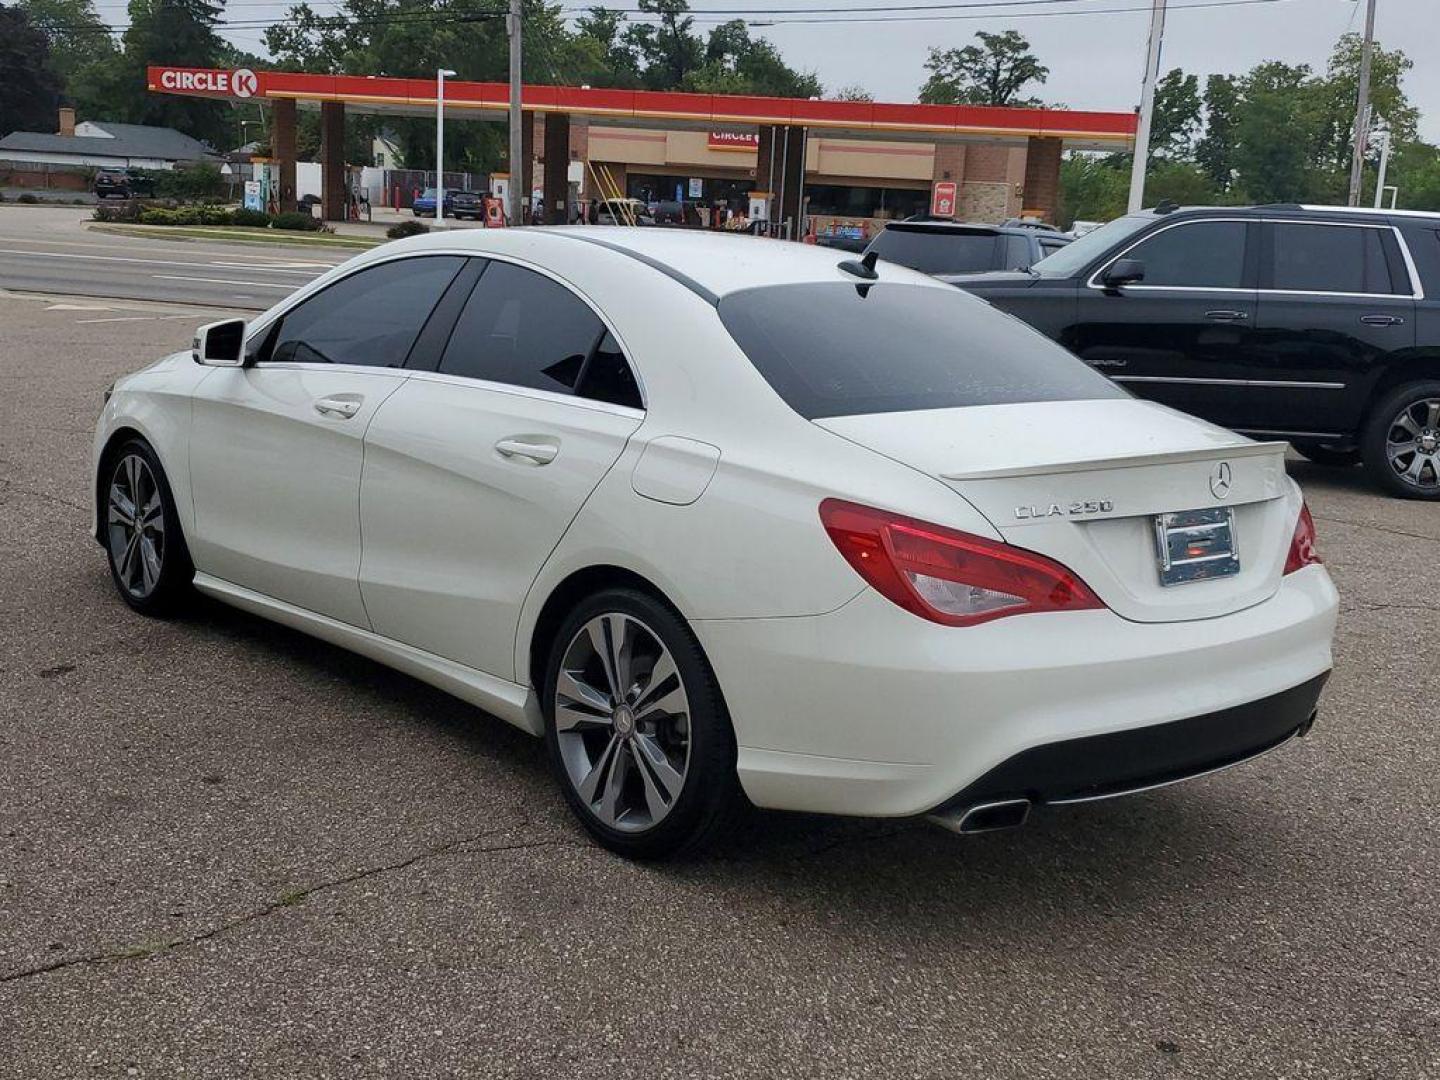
1220	480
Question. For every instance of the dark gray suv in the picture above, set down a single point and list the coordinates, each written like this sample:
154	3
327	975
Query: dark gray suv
943	248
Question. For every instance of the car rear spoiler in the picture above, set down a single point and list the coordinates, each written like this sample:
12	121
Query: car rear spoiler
1214	453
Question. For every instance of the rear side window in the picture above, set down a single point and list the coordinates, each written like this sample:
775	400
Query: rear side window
832	349
371	317
938	251
1203	254
1329	258
523	329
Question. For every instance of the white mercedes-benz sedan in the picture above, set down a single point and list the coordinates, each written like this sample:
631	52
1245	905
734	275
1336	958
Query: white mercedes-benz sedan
722	517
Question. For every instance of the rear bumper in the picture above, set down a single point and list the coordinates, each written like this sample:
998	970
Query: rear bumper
871	711
1124	762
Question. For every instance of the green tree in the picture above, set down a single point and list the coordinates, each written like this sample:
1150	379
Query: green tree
667	49
601	33
78	38
1093	188
736	63
30	86
852	92
1275	133
1215	150
1175	121
992	73
1335	95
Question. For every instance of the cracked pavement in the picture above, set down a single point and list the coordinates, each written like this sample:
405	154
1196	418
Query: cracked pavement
227	850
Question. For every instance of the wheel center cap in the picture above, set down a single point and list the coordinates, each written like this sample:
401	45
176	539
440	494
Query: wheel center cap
624	721
1429	441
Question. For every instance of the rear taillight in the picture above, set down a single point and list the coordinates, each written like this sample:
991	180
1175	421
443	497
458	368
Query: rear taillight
947	576
1302	544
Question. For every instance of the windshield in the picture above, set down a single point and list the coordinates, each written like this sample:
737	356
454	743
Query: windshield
937	251
1074	257
428	193
835	349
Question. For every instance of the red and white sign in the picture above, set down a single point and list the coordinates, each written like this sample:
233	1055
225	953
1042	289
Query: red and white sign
734	140
942	199
241	83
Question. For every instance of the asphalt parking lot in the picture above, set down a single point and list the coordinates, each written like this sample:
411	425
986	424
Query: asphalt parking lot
227	850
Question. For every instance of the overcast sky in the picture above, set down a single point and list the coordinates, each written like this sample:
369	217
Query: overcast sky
1096	60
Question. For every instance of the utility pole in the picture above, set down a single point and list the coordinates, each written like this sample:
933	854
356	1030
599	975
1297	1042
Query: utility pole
1362	104
1147	105
440	76
1384	136
517	142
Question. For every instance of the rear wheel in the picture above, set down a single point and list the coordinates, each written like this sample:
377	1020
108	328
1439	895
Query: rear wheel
148	559
638	734
1401	444
1328	453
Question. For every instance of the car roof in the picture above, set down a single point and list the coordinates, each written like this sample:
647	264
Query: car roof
1294	209
709	262
945	225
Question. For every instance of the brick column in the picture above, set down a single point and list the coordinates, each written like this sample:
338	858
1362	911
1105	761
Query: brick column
557	167
332	160
282	149
1042	176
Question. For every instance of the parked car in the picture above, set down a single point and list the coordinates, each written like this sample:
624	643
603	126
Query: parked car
1320	325
123	184
863	545
424	204
465	205
951	247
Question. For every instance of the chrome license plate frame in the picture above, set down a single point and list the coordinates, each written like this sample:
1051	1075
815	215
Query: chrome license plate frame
1196	545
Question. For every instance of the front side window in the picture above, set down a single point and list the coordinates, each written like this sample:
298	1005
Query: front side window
832	349
523	329
1329	258
1202	254
369	318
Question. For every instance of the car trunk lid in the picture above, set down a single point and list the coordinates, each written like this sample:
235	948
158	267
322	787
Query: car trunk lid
1085	483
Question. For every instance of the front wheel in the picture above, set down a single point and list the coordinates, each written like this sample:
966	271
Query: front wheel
148	559
1401	444
637	730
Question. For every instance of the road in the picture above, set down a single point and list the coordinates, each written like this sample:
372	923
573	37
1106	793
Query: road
227	850
49	250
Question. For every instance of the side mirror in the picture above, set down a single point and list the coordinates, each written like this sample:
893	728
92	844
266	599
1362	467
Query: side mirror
1123	272
220	344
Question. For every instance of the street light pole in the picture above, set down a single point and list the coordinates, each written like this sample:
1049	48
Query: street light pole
1362	104
1147	106
1384	136
517	142
440	146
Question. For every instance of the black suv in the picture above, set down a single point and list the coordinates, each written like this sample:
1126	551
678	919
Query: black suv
123	184
1319	325
946	248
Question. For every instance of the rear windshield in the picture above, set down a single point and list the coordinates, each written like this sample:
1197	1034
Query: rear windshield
834	349
938	251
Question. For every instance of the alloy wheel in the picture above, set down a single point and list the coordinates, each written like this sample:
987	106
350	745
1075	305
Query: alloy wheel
135	525
1412	444
622	720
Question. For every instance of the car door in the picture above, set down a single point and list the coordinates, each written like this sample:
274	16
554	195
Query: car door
276	457
1182	335
1335	300
474	471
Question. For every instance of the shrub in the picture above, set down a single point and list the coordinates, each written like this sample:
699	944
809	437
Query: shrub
28	198
128	211
244	216
186	215
201	180
406	228
295	220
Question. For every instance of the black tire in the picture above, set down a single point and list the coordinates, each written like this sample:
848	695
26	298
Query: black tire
1328	453
1409	399
150	591
709	792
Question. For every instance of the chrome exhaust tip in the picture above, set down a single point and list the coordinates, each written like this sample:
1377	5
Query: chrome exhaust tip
983	817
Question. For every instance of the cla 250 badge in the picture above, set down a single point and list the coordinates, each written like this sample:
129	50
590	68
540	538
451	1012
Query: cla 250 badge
1095	506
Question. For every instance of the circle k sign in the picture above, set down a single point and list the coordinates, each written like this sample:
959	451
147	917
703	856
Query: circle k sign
243	83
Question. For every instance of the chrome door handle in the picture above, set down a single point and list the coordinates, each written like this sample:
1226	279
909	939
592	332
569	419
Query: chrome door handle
1382	320
1227	316
344	408
537	453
